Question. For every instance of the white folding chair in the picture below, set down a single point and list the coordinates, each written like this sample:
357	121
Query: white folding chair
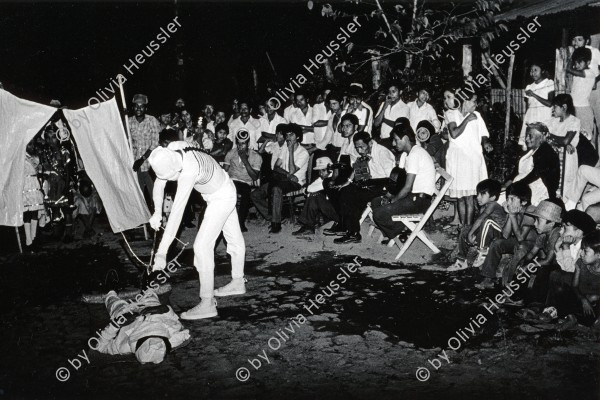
415	222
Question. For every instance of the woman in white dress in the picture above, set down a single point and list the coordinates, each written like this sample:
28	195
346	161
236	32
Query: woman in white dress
464	159
538	95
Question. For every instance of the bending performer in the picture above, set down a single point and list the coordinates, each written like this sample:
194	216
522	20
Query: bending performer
193	169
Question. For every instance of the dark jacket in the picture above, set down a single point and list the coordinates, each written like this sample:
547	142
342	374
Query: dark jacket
546	165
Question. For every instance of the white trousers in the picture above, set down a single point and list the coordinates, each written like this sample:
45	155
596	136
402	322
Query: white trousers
585	175
220	215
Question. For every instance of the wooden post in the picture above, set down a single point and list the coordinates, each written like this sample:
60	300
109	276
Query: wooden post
508	97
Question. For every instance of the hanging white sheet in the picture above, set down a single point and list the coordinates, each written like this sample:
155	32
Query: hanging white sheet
20	120
104	149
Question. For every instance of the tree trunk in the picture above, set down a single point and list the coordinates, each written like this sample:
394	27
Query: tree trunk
508	98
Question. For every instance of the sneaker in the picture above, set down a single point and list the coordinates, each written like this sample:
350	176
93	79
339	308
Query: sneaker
486	284
348	238
236	286
206	309
335	230
481	255
458	265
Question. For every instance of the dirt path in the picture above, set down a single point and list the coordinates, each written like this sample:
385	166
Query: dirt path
314	324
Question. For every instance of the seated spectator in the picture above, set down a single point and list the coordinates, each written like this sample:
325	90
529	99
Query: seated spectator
243	166
350	126
518	235
433	142
576	224
272	148
88	205
369	177
289	175
578	299
269	123
245	120
486	228
222	144
539	167
316	200
302	115
547	216
419	185
585	174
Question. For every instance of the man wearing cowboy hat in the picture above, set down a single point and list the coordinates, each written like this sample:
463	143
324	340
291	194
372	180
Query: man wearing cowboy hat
243	166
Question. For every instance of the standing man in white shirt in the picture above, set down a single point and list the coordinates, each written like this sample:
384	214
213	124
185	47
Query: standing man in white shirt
420	110
358	107
349	124
321	116
248	122
268	123
419	186
289	175
303	116
390	110
335	101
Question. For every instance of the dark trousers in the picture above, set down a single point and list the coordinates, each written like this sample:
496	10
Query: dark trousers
499	247
487	232
382	214
561	294
274	191
315	204
353	200
243	189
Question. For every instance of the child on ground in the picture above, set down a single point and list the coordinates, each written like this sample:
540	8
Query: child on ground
464	158
547	216
88	205
584	80
518	235
538	95
579	301
487	226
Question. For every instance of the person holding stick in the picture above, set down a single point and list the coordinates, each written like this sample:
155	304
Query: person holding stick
194	169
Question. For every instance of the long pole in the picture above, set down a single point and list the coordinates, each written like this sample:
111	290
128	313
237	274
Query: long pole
508	98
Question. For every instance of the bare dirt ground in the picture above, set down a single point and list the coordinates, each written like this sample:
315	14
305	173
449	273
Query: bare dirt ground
301	331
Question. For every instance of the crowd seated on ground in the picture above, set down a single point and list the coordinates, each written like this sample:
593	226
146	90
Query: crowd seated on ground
331	150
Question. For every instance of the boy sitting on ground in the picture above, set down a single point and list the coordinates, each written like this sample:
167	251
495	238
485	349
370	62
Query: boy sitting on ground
486	228
547	224
518	235
316	201
580	301
87	206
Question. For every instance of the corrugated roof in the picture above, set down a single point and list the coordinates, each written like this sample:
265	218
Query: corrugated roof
544	7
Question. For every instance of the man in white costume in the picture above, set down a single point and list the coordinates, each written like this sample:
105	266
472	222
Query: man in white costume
194	169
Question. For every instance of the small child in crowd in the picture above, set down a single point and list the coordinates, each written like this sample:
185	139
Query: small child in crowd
584	80
87	206
222	144
578	299
487	226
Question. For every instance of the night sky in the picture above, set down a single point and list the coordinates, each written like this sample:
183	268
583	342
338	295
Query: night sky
70	50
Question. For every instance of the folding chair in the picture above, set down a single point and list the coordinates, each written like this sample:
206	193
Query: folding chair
415	222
